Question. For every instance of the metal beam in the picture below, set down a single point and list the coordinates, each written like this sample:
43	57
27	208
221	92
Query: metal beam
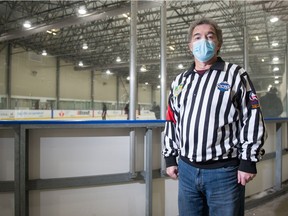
75	20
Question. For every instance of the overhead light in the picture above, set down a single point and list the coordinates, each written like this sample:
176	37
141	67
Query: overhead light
80	64
263	60
128	78
158	86
257	38
44	53
143	68
146	83
85	46
276	81
125	15
171	48
52	31
82	10
275	44
27	24
180	66
276	77
118	59
275	59
108	72
276	69
159	76
274	19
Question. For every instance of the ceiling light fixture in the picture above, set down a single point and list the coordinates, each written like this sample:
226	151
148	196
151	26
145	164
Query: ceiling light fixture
143	68
276	69
274	19
80	64
118	59
52	31
257	38
82	10
108	72
274	44
44	53
180	66
275	59
27	24
85	46
171	48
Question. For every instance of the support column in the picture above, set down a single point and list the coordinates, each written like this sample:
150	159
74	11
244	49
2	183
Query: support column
57	82
163	74
117	91
133	81
163	83
133	61
245	48
92	90
8	75
286	70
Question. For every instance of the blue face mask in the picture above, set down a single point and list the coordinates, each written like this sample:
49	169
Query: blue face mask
203	50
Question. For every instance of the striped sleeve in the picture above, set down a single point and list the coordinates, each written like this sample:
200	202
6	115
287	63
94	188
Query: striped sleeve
170	149
253	131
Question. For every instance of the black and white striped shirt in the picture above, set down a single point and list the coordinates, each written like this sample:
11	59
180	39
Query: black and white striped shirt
213	117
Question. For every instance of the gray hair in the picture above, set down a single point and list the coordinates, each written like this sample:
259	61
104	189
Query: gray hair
209	22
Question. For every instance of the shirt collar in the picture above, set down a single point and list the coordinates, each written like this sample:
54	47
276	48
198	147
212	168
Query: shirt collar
218	65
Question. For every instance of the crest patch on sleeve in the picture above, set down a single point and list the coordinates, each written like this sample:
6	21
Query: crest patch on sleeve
254	100
177	90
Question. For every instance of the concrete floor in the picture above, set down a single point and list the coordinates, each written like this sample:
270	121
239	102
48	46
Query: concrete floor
276	207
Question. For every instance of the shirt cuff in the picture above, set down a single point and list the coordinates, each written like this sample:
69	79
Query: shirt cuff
247	166
171	161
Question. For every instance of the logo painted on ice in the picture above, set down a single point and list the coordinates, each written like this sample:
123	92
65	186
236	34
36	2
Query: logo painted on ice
223	86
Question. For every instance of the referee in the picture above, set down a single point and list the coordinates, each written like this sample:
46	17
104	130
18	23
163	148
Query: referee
214	129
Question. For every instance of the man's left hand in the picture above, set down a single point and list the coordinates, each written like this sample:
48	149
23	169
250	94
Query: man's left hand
244	177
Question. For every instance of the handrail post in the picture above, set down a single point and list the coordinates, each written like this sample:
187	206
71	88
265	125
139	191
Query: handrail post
278	157
148	171
132	154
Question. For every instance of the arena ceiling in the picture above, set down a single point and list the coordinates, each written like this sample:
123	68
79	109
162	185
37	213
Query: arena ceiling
61	31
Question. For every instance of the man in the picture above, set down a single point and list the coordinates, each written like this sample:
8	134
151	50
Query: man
215	126
104	111
156	110
271	103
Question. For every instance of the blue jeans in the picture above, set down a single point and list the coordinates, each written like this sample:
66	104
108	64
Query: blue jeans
214	192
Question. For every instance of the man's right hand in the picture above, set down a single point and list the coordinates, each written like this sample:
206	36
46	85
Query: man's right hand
172	171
